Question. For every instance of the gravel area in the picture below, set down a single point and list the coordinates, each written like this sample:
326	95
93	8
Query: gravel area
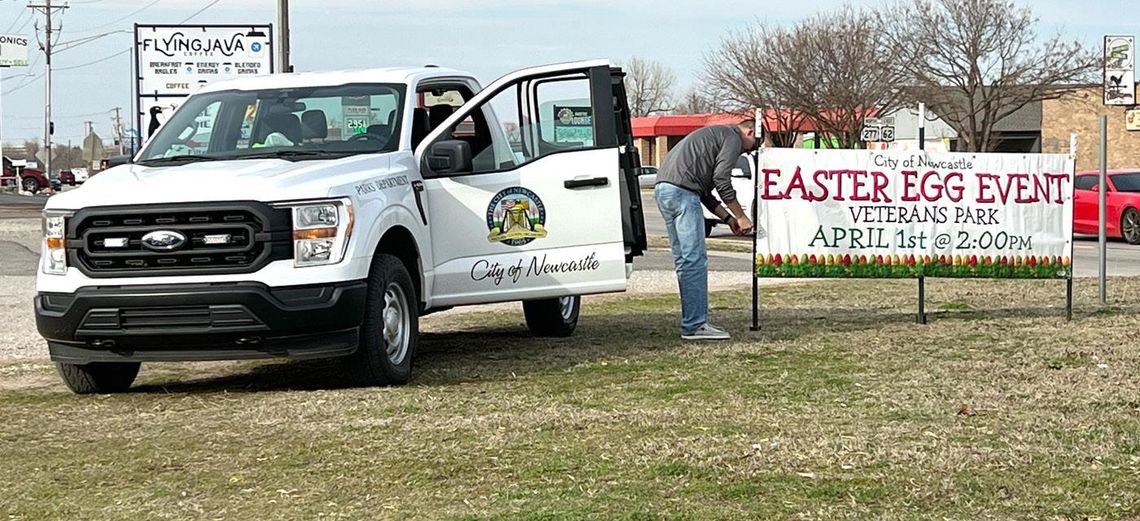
18	335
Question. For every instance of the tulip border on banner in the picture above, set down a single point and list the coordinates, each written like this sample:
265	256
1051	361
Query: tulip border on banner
900	214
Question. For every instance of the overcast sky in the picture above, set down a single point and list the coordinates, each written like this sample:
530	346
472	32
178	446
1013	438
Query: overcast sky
486	37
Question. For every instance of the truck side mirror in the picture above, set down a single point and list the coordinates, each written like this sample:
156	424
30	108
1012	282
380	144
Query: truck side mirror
449	157
114	161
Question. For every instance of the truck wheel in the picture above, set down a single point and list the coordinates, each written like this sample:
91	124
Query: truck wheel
554	317
391	326
31	185
99	377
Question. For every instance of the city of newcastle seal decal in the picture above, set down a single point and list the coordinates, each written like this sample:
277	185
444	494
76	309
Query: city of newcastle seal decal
516	216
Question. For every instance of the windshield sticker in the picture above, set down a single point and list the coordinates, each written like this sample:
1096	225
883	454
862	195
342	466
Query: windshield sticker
516	216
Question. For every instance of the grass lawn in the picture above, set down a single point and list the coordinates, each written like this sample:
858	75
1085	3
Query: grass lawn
841	407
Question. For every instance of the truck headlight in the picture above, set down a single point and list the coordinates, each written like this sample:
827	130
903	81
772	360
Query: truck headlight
321	231
55	243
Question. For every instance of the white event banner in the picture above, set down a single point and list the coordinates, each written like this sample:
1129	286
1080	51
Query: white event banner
882	214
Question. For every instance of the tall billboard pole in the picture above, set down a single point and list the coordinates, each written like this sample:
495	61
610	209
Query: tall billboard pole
283	36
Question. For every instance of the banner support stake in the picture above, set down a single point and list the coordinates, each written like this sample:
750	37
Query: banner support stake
921	299
922	278
1069	298
757	131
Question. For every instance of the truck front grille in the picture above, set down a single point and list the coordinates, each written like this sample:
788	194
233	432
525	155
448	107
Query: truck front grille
207	238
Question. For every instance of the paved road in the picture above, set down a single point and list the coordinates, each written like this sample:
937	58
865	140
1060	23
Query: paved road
12	205
1123	258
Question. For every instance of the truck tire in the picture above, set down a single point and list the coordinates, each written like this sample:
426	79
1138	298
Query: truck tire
554	317
390	330
99	377
31	185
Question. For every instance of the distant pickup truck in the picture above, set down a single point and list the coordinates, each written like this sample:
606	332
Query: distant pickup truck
320	215
31	179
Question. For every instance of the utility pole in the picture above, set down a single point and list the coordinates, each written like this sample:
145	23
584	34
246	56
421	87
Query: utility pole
118	129
283	36
47	10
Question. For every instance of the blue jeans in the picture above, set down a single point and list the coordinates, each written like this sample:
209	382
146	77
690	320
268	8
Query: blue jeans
685	224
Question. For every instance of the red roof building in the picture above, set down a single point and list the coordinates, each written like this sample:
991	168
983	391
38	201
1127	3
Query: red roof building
654	136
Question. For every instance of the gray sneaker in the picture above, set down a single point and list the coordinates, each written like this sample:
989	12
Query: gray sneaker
707	332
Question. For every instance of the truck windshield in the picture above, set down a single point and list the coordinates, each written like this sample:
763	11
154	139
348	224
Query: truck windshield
294	124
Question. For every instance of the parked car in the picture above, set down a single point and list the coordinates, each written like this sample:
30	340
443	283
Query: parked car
647	176
31	179
67	177
1122	204
80	175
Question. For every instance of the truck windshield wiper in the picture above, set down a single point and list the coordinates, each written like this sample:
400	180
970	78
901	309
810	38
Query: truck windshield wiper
293	154
189	158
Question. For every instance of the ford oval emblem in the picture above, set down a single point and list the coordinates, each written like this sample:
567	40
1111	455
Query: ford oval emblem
163	240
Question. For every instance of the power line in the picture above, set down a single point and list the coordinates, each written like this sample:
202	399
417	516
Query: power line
100	60
200	11
117	20
83	41
74	116
16	21
28	82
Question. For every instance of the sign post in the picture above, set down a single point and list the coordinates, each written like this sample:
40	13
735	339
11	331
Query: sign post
1102	187
173	61
758	122
922	278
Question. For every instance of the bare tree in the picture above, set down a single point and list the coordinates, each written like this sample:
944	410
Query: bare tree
649	86
832	70
742	72
31	148
976	62
698	100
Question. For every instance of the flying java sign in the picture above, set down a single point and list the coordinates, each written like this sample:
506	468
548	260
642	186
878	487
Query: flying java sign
881	214
176	60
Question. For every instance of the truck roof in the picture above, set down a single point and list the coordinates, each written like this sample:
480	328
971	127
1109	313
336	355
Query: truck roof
333	78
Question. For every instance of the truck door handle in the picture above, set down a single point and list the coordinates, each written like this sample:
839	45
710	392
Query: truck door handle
581	183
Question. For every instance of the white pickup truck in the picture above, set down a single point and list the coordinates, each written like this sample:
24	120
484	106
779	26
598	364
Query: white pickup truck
321	214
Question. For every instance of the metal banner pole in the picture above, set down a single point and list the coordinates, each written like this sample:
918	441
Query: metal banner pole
922	278
756	202
1103	187
1069	297
1073	260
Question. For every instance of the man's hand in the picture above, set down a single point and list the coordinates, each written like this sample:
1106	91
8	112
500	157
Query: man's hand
741	226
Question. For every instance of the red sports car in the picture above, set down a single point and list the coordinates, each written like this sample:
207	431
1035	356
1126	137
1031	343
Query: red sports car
1122	202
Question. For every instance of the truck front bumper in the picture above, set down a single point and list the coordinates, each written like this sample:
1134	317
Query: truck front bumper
186	322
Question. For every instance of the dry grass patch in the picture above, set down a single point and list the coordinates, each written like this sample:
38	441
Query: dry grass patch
841	407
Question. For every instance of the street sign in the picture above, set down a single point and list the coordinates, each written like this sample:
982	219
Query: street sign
876	130
1119	70
13	50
